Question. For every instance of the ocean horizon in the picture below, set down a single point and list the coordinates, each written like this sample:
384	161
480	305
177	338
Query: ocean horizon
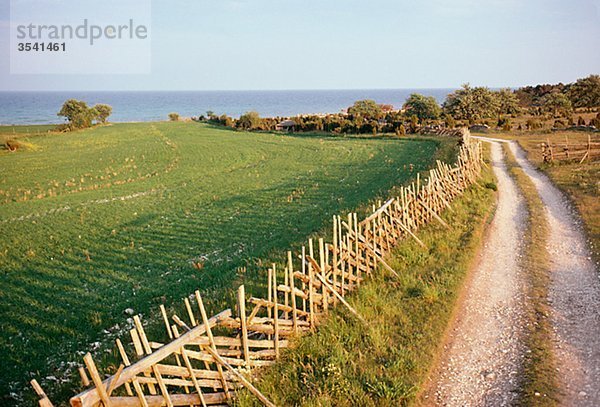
40	107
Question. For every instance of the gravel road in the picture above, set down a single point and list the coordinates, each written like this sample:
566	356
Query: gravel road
574	294
484	351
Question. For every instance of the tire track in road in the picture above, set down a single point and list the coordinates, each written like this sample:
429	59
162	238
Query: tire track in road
574	293
484	351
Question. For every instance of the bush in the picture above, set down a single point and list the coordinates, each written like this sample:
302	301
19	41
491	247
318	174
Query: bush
226	121
78	114
174	117
249	121
401	131
533	124
504	123
414	124
12	145
102	112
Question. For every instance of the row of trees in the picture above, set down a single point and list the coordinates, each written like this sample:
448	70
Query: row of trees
467	105
584	93
79	115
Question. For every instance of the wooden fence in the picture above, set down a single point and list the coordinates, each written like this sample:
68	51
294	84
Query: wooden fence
444	131
571	151
207	359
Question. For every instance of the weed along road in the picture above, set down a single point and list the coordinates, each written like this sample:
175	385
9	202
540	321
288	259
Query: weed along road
483	364
483	351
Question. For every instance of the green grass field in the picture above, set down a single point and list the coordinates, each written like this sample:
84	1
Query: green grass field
110	218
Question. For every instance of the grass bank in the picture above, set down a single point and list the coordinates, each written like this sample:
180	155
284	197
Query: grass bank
386	363
539	381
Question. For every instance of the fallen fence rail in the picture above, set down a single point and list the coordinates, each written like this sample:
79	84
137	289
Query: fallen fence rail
207	359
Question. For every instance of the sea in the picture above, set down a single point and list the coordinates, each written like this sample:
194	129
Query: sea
136	106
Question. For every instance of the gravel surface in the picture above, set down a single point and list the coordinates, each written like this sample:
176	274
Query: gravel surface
574	294
484	352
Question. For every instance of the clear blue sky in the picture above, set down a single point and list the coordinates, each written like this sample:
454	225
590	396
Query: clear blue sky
326	44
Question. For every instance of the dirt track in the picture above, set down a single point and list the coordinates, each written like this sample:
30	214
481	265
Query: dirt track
483	355
484	352
574	294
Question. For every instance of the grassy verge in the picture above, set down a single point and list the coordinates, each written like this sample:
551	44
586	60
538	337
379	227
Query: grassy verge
345	363
539	385
578	181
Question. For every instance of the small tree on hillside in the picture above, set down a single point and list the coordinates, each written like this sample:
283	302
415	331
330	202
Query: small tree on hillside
77	113
103	111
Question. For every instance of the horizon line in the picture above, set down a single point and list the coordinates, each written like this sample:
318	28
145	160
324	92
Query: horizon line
242	90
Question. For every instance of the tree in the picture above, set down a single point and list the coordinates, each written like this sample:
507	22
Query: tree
365	109
425	108
249	121
532	96
508	102
449	121
174	117
472	103
77	113
557	104
103	111
585	92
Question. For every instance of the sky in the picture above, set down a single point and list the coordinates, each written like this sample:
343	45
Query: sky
343	44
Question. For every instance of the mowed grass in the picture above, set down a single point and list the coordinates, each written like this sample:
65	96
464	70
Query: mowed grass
110	218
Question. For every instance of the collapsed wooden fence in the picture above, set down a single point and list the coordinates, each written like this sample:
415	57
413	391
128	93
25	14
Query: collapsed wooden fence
571	151
207	359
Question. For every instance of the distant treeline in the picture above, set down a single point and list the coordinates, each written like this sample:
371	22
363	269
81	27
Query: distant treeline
466	106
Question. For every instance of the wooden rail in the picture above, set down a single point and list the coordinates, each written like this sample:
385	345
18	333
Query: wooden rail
571	151
197	368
